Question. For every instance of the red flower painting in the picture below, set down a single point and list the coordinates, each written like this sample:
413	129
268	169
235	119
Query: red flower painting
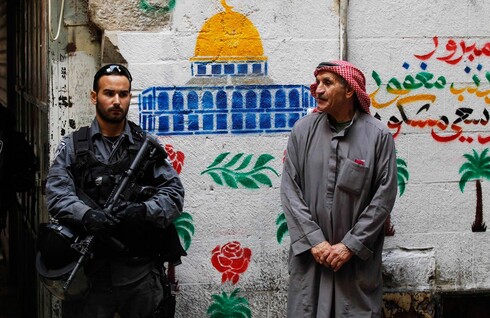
175	157
231	260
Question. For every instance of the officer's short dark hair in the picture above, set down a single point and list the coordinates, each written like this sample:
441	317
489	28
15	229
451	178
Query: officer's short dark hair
111	69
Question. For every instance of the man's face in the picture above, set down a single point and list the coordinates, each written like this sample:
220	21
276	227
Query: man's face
332	93
112	99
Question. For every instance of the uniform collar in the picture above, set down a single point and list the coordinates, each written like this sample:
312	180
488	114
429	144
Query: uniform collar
95	130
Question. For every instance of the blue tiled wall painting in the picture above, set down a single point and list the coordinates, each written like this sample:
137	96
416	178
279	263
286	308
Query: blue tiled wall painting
218	69
246	109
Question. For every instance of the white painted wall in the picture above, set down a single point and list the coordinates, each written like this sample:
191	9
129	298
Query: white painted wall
433	212
433	247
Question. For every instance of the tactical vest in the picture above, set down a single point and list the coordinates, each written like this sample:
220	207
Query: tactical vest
97	180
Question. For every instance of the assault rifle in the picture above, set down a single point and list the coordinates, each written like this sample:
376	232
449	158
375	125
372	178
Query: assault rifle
149	149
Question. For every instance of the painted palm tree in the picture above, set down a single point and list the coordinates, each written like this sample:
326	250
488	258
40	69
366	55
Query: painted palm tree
476	168
403	176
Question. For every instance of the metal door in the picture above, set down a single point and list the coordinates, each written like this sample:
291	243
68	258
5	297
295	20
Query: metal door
27	96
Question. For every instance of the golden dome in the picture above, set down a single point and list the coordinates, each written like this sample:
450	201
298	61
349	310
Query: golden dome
228	36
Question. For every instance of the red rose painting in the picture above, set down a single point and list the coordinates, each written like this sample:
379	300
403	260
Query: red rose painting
231	260
175	157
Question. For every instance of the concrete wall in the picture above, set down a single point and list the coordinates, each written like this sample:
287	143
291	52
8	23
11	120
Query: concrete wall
427	66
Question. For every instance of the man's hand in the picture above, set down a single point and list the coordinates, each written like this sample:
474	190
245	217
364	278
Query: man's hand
338	256
132	212
97	221
320	252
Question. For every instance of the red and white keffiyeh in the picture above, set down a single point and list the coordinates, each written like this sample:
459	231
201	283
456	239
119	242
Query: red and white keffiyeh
351	74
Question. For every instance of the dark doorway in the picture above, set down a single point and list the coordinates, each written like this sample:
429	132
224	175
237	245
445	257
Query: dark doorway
457	305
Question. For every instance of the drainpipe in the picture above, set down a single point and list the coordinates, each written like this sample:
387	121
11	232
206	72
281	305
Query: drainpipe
343	8
51	35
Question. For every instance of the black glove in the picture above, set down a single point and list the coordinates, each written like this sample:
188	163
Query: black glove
132	212
97	221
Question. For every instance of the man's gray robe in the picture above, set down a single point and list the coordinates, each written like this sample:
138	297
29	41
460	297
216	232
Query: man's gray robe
338	187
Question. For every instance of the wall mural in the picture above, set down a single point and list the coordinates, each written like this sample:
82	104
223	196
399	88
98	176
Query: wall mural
232	305
452	48
177	158
229	92
245	101
147	7
232	172
282	227
414	106
185	228
476	167
184	223
403	176
231	260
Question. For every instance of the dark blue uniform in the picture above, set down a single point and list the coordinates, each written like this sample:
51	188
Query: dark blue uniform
126	283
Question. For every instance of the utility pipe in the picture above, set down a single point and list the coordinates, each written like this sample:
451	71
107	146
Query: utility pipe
343	9
55	37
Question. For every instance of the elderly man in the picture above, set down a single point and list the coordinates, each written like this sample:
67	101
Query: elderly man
338	186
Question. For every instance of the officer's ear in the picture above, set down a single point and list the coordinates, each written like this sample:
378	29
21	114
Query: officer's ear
93	97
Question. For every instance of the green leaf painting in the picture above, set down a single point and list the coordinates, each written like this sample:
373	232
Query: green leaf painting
403	175
185	228
237	170
376	78
282	227
146	7
225	306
